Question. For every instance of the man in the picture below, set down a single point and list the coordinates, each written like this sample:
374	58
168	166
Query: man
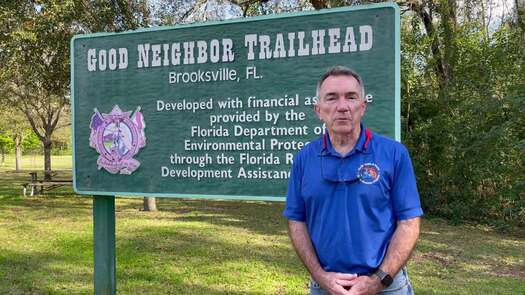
352	205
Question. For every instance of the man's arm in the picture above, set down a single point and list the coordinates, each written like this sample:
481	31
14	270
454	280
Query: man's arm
401	246
330	281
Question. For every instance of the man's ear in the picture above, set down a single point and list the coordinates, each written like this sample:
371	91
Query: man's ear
365	103
317	111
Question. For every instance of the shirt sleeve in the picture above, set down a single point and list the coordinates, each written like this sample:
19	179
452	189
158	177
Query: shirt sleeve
405	195
295	207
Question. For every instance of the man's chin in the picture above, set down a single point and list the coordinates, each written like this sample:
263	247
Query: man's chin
342	130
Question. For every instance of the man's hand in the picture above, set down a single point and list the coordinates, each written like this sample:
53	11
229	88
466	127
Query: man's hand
365	285
332	282
335	283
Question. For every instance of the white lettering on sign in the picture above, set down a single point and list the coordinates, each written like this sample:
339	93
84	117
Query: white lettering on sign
101	59
201	161
199	76
312	43
259	46
188	172
252	132
191	52
205	145
262	174
264	159
185	105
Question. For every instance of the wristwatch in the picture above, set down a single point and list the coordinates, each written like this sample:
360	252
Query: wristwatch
385	278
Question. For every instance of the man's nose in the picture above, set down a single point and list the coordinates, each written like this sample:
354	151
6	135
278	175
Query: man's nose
343	105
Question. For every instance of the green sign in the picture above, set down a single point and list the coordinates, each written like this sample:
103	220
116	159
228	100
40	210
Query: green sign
218	110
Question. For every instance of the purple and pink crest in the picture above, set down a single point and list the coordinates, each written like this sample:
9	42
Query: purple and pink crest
117	137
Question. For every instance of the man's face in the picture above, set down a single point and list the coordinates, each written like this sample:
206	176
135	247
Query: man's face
341	104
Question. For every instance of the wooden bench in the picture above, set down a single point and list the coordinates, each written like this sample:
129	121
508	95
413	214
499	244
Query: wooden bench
36	186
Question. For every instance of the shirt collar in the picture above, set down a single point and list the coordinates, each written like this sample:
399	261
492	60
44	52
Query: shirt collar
362	143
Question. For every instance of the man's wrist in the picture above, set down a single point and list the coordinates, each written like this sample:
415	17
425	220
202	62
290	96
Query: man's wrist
383	277
376	279
318	275
375	283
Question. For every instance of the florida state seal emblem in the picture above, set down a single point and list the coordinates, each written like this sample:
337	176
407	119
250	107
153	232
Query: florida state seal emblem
117	137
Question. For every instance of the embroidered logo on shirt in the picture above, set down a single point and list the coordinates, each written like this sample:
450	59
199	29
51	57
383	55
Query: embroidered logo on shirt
368	173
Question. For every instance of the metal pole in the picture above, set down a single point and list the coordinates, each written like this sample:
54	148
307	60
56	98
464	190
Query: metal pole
104	244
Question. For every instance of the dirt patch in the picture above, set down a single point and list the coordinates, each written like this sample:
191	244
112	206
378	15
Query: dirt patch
443	260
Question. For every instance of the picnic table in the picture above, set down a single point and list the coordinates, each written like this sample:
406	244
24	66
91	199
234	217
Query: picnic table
38	186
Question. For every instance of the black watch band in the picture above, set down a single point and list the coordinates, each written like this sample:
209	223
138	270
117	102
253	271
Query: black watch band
385	278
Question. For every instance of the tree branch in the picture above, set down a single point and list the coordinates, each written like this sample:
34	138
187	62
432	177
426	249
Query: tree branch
319	4
33	125
427	19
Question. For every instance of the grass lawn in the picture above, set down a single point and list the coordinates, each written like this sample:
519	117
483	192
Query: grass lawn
36	162
215	247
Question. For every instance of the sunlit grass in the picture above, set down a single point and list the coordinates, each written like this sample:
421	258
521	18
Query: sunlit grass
36	162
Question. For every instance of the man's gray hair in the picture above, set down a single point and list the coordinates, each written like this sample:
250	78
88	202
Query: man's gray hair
341	71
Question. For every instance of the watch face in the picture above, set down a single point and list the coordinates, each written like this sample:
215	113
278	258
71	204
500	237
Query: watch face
387	280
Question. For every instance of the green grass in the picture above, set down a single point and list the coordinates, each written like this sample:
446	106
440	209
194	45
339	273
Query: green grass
216	247
36	162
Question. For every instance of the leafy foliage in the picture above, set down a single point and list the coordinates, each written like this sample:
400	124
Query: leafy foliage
467	133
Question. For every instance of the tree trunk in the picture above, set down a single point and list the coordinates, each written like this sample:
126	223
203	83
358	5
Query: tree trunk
150	204
18	153
2	152
520	16
448	18
426	15
47	159
18	157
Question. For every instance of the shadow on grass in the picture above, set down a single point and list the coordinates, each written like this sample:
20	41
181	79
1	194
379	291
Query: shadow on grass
11	182
258	217
49	202
64	270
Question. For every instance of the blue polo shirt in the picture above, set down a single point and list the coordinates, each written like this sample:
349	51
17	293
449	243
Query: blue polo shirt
351	204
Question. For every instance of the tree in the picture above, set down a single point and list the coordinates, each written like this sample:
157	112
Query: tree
5	143
35	76
520	16
34	37
15	130
462	83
